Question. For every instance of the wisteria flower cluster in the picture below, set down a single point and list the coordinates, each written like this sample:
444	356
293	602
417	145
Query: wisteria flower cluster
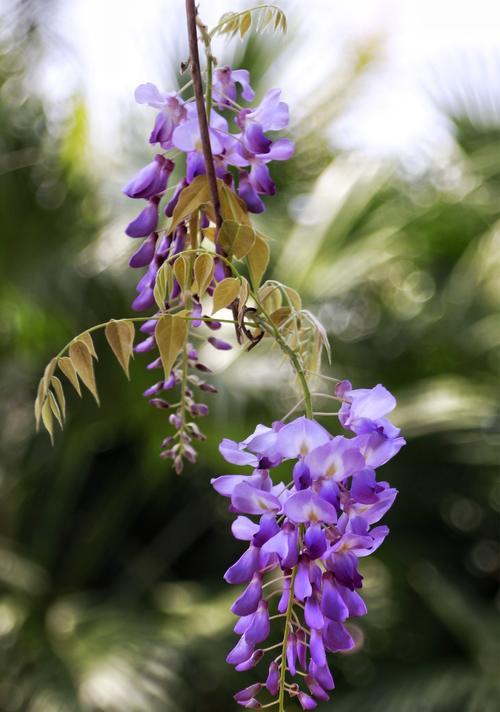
308	539
201	254
241	160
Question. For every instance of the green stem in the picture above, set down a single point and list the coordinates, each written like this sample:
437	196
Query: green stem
209	83
281	694
299	370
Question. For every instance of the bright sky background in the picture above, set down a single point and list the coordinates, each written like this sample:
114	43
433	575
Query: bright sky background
106	47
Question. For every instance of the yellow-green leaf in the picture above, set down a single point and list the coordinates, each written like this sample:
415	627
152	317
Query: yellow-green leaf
82	361
225	292
270	297
242	297
66	366
120	336
236	239
87	340
171	332
231	206
280	315
47	419
55	408
258	259
182	272
203	273
163	285
192	197
293	298
59	392
40	396
245	23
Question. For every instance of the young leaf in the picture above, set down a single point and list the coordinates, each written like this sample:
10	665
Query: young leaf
66	366
163	285
320	329
293	297
279	316
242	297
245	22
225	293
82	361
231	206
236	239
40	396
54	407
258	259
203	273
87	339
47	419
196	194
120	336
59	392
181	271
171	332
270	297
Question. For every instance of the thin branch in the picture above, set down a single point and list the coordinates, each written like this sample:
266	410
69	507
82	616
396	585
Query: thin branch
200	108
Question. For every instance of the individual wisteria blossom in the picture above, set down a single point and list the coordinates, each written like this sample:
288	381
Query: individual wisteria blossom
305	541
242	151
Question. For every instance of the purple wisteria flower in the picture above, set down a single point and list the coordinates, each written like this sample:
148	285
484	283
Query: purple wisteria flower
242	152
306	540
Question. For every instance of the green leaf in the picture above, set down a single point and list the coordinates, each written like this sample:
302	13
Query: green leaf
236	239
192	197
203	273
182	272
67	367
225	292
163	285
171	332
258	260
120	336
231	206
82	361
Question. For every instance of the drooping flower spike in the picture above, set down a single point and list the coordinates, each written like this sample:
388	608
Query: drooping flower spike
242	151
306	541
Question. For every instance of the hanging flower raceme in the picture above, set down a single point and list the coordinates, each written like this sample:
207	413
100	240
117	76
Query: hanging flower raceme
301	564
242	151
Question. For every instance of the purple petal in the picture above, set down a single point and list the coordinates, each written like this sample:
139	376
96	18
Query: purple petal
332	603
145	222
145	253
315	541
243	570
259	628
233	452
336	637
248	500
241	652
249	600
244	529
273	679
306	506
317	647
300	437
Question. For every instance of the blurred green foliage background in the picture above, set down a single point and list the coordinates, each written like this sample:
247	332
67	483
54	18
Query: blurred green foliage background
111	591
